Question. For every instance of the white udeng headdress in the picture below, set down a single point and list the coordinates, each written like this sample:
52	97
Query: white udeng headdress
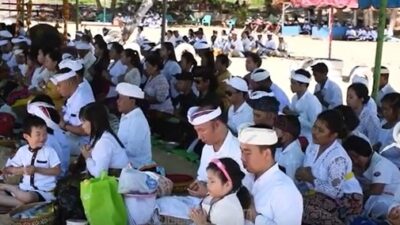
197	117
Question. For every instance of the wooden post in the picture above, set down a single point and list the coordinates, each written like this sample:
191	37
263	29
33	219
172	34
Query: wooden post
77	16
330	32
164	21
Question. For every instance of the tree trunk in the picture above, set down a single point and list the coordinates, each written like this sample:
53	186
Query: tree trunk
98	4
368	17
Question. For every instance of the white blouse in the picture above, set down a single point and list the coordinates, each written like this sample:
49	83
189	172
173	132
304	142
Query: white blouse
369	125
227	211
106	154
332	171
133	77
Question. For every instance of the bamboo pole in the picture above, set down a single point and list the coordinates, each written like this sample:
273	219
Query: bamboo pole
379	47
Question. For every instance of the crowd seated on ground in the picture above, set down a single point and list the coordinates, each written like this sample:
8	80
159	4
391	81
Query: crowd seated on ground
264	158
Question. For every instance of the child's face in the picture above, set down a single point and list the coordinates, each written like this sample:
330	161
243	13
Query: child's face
37	138
215	187
388	113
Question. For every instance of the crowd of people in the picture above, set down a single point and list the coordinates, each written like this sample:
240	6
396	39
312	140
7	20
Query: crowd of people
265	157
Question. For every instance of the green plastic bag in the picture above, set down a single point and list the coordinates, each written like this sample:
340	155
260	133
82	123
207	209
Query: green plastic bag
102	203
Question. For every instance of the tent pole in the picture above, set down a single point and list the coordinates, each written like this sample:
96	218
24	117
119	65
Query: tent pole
379	47
330	32
164	21
77	16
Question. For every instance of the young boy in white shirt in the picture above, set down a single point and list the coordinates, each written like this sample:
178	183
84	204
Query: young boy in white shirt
38	164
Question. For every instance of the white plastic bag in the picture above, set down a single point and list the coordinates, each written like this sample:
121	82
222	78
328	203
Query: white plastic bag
140	207
134	181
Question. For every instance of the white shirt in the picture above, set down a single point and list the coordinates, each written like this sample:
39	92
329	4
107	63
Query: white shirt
106	154
385	136
387	89
41	74
88	61
371	105
291	158
10	59
227	211
171	68
243	114
246	44
80	98
280	96
45	158
332	94
392	152
308	108
369	124
133	76
134	133
230	149
382	171
116	69
270	45
276	198
332	165
238	45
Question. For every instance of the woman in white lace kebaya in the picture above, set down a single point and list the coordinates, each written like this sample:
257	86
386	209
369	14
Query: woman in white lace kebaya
331	192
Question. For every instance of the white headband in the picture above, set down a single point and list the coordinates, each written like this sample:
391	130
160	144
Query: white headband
259	94
258	136
384	71
62	76
39	109
196	117
300	78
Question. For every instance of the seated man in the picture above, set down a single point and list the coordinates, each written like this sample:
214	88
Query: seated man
39	165
211	128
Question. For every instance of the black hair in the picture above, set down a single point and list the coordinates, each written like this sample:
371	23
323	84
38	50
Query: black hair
304	73
54	115
254	57
55	55
103	46
358	145
46	50
393	99
223	59
207	59
135	59
334	122
170	50
206	73
155	59
117	47
86	38
189	58
361	90
350	119
236	175
32	121
96	114
98	38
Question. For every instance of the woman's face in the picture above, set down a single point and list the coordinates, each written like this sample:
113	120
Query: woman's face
185	65
40	57
50	64
353	100
360	162
151	70
86	126
321	134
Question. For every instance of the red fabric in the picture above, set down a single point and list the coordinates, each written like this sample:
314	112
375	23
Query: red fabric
7	124
17	94
304	143
325	3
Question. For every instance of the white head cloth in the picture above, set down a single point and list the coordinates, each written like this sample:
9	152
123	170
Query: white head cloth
196	117
258	136
299	77
130	90
74	65
39	109
259	94
62	76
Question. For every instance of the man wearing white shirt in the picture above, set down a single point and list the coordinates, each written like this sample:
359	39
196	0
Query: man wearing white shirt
236	46
219	142
276	200
116	69
270	45
328	92
134	130
239	112
384	86
262	82
69	86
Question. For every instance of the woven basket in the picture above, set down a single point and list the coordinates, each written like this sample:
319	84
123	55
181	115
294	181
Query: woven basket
8	143
44	219
169	220
181	182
